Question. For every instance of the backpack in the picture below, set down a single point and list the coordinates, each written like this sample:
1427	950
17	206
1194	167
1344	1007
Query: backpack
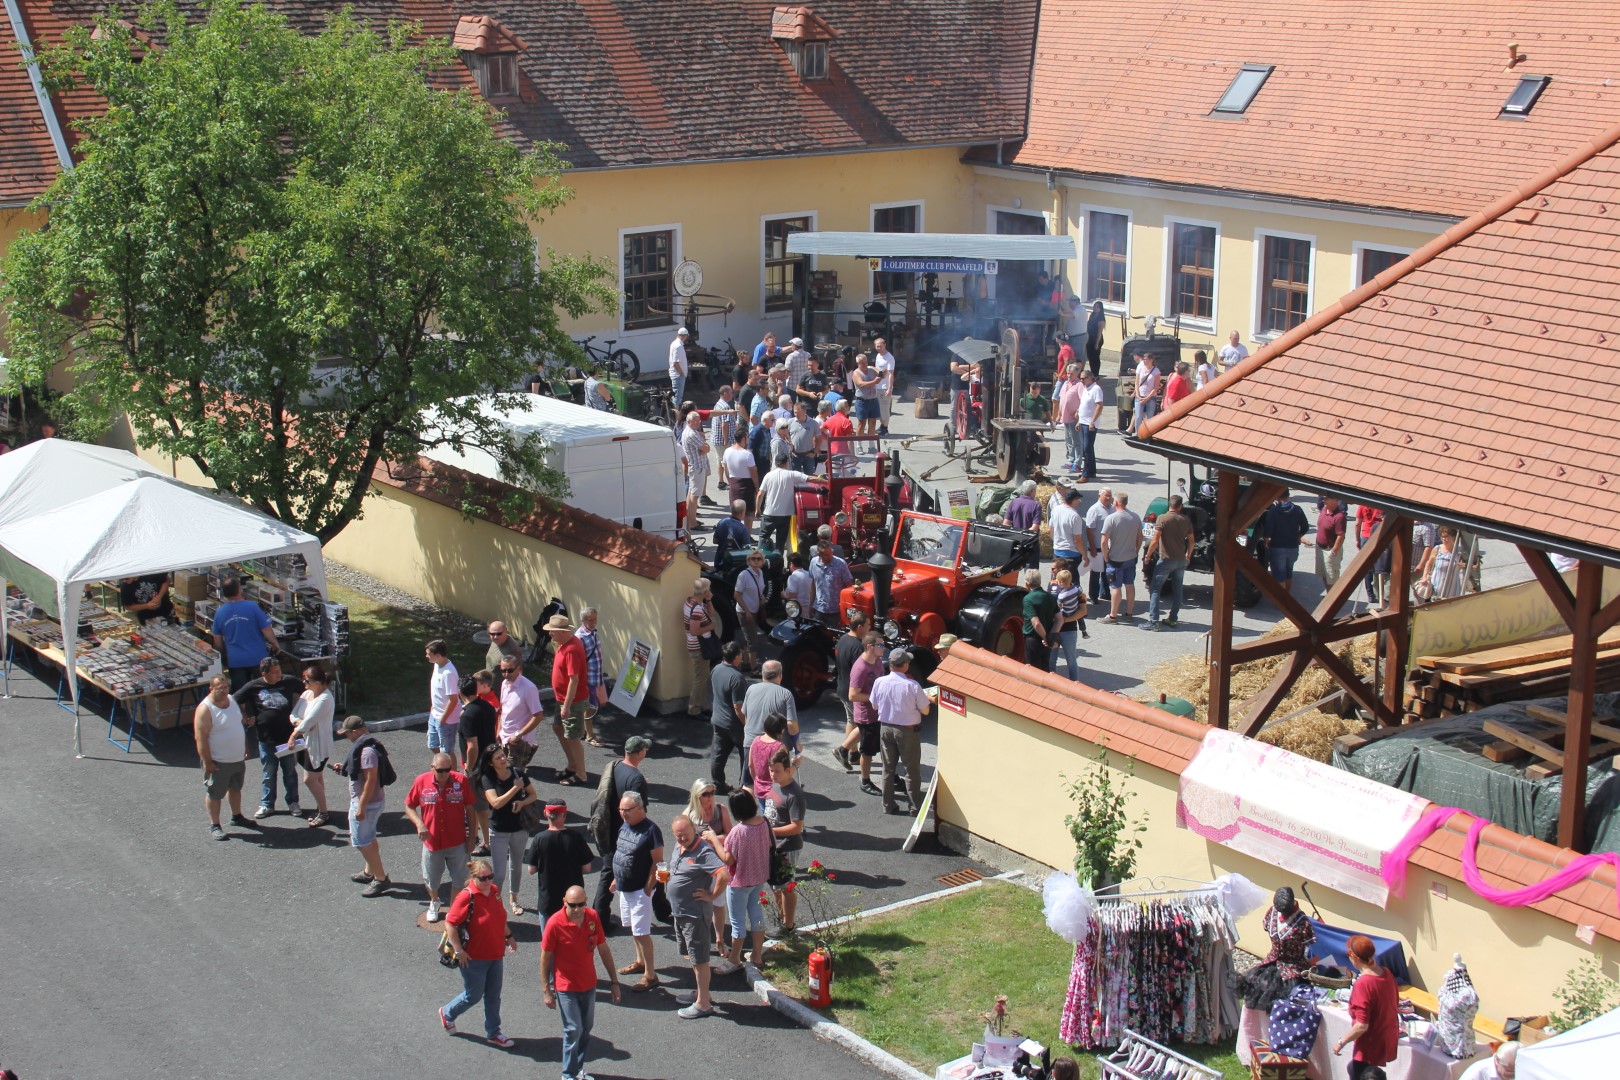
601	826
385	768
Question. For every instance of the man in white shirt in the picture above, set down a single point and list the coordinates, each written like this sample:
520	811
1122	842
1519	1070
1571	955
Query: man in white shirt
520	713
1147	391
1067	528
1091	408
1233	352
798	365
800	586
883	361
677	367
1095	516
900	704
775	502
444	700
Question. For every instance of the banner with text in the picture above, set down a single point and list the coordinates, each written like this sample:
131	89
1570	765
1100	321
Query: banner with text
913	264
1495	617
1305	817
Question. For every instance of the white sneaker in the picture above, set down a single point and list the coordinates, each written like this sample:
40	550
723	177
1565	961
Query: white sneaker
433	911
726	966
261	813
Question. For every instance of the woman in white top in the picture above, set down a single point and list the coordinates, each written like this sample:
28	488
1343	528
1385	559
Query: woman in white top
312	722
1442	568
1204	371
706	811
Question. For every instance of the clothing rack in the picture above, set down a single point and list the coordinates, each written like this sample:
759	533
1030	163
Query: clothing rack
1140	1058
1155	887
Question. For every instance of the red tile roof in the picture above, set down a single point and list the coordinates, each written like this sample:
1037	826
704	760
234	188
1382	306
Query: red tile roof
570	528
799	23
482	34
28	160
1505	859
1385	104
665	82
1475	378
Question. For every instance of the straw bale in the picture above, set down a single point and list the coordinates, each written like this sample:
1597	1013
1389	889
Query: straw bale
1310	734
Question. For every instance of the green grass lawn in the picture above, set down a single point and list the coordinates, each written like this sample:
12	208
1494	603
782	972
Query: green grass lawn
915	982
386	672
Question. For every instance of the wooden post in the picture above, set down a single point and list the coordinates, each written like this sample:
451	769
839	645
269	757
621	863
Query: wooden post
1396	635
1582	683
1220	616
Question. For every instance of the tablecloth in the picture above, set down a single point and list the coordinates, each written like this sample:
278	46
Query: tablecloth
1414	1060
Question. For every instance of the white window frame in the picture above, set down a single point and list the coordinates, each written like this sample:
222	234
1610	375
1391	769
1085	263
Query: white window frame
675	260
1188	321
1359	247
810	265
990	213
871	225
1260	280
1083	246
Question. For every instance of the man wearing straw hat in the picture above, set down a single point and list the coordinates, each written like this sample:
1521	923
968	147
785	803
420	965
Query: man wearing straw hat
570	684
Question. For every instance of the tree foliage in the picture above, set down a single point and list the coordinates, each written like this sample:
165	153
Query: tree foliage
280	250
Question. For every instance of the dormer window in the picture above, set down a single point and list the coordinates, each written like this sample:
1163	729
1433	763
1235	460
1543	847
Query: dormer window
490	52
804	37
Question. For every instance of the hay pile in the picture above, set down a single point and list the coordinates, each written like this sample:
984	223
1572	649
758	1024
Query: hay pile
1310	734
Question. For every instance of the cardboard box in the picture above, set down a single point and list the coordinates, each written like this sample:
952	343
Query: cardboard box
192	586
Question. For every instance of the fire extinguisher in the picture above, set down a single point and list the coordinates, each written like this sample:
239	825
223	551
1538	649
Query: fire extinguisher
821	977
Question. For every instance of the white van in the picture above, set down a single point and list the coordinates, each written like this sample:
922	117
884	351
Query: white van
621	469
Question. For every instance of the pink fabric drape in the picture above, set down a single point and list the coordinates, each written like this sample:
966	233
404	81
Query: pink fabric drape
1393	869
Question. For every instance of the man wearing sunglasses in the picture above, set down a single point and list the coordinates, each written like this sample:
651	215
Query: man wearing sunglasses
440	805
501	646
568	975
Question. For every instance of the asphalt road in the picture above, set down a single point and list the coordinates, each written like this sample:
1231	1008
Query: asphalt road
140	947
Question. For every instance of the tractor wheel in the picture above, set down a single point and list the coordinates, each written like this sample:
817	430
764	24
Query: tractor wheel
1247	593
804	672
993	619
950	438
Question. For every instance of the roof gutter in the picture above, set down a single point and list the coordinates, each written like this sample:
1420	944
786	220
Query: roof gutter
1230	193
42	95
1419	511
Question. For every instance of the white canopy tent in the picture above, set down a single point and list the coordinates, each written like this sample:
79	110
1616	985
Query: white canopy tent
1589	1050
53	472
146	526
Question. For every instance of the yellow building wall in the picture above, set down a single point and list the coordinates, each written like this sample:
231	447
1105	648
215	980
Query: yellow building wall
490	572
1336	238
1516	956
718	212
12	222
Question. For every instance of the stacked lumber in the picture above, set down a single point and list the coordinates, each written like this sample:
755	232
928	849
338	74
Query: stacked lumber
1461	683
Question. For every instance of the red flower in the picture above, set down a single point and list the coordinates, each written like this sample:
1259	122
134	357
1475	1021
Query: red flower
790	886
832	877
815	864
764	897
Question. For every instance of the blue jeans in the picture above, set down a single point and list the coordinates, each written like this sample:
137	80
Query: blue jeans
578	1010
744	910
480	981
443	737
1088	451
677	390
1067	641
1175	570
1280	561
268	762
1074	443
1146	409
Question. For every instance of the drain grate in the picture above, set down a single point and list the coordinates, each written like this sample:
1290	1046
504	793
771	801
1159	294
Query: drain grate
960	877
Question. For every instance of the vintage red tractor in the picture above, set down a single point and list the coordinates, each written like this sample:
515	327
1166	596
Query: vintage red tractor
857	507
946	576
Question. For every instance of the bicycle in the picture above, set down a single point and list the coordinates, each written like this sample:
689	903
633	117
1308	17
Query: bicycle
620	363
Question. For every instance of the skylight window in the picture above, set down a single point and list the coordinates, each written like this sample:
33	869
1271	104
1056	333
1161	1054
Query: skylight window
1245	84
1523	98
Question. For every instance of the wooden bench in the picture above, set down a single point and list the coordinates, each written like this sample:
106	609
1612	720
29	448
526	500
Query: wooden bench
1488	1030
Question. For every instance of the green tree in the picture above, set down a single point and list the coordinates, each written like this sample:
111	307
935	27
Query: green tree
280	250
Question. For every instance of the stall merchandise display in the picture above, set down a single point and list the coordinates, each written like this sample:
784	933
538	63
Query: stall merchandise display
1160	966
120	656
309	626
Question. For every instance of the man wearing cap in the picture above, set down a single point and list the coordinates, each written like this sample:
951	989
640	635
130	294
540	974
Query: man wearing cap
900	704
571	687
626	777
366	802
559	858
677	366
798	364
440	805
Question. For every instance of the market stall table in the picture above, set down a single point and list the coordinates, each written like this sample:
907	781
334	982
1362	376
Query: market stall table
1414	1058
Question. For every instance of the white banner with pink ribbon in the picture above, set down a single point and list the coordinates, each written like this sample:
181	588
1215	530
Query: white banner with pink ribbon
1299	815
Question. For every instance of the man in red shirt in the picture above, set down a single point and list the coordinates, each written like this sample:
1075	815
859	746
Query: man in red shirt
1179	386
568	975
569	683
838	427
440	805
